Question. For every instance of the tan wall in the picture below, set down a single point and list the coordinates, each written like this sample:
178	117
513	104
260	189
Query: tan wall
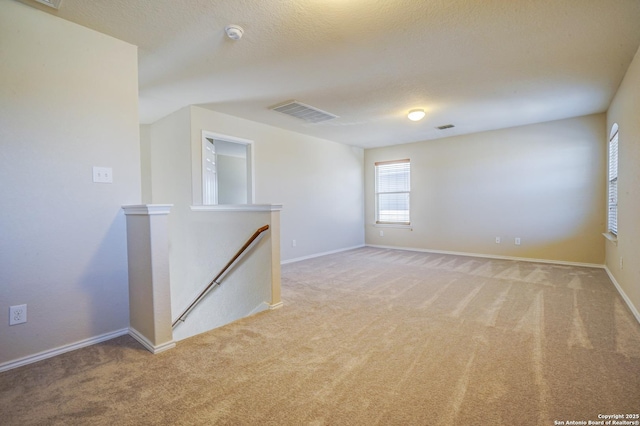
201	243
319	182
68	102
145	162
233	171
543	183
625	110
170	161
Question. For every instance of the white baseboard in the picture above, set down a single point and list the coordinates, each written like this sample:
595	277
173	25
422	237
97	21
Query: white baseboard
30	359
493	256
154	349
626	299
298	259
265	306
276	306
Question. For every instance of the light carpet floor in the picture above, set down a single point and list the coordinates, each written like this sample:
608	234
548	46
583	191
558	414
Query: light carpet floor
367	337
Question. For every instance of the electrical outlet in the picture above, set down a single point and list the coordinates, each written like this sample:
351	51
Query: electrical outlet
497	240
17	314
517	241
382	233
621	265
293	243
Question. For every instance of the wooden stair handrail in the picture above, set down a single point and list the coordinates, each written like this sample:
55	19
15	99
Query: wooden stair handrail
215	282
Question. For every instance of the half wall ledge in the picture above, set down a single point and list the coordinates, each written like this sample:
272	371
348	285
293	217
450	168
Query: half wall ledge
238	208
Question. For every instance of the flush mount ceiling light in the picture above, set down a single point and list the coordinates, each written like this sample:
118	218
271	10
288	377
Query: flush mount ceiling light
416	114
234	32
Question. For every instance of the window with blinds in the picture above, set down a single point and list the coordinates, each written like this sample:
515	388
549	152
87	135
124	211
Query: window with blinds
393	187
613	184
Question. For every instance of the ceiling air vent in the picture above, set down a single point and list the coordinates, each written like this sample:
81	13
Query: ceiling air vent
445	126
304	112
51	3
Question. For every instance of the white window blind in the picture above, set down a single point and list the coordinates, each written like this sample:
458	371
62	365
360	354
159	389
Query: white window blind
613	185
393	187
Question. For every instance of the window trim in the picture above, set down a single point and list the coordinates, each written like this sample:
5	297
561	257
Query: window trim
612	181
377	221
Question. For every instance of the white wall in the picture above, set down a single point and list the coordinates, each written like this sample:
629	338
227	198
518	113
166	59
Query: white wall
171	161
201	245
543	183
145	162
232	178
319	182
68	101
625	110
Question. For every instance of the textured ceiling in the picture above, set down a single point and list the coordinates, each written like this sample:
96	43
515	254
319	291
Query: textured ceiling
478	64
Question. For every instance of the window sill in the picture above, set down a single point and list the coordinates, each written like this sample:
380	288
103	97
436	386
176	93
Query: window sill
393	225
611	237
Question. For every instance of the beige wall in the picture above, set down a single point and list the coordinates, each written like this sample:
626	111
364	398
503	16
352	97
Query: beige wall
68	102
319	182
232	173
145	162
543	183
170	161
625	110
201	243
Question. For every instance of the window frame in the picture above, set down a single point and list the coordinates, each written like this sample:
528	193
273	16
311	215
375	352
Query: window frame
612	181
377	192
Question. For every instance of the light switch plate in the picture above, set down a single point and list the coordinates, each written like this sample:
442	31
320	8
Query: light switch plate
102	174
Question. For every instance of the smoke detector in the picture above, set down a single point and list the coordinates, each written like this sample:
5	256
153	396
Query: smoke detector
234	32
